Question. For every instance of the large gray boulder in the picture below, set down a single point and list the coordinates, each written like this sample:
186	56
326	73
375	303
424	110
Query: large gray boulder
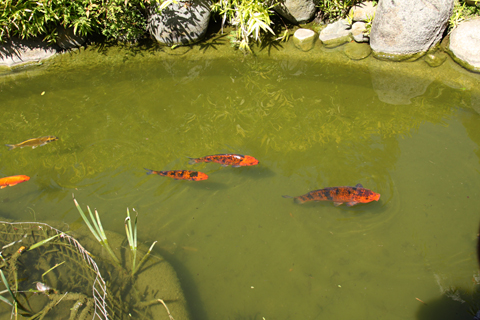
180	23
464	44
405	30
296	11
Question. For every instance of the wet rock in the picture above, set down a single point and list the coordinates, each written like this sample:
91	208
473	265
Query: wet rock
19	52
296	11
67	39
405	30
358	32
336	34
464	44
363	11
357	51
181	23
304	39
435	59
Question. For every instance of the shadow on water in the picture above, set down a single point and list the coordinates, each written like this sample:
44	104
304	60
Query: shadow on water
187	281
453	304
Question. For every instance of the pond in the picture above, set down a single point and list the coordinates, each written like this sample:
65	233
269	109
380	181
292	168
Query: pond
241	250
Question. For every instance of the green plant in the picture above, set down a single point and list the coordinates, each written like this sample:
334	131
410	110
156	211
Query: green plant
249	17
97	230
461	12
368	24
123	19
332	10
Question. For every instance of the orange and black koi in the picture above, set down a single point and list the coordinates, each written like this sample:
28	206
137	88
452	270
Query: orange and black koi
349	195
234	160
12	180
180	174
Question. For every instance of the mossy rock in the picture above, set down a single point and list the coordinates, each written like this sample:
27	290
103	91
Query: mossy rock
357	51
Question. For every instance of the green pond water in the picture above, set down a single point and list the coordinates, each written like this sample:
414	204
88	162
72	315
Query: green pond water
240	250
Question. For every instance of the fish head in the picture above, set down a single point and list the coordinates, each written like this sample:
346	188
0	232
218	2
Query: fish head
249	161
372	196
50	138
201	176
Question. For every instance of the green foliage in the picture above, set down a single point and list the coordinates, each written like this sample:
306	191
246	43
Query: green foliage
250	17
332	10
461	12
123	19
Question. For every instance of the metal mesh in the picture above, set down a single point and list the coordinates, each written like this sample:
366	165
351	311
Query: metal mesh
62	265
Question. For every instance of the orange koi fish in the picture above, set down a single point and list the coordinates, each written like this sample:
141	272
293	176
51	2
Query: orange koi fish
35	142
349	195
234	160
12	180
180	174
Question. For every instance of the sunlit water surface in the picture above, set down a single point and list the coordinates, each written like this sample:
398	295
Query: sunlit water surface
242	251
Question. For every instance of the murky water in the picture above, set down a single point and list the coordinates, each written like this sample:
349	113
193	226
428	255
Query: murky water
241	250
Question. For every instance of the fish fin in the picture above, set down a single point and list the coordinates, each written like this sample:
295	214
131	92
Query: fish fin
3	187
191	161
298	200
336	204
350	204
286	196
149	171
359	185
33	147
10	146
226	165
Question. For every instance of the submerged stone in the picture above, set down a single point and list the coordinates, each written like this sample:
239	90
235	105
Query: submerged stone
464	46
304	39
335	34
435	59
357	51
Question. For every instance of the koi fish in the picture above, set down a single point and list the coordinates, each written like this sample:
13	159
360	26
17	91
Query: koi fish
180	174
234	160
35	142
349	195
12	180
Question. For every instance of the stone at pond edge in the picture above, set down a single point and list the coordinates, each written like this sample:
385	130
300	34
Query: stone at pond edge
357	51
405	30
464	46
296	11
20	52
181	23
304	39
335	34
435	59
67	39
362	11
358	32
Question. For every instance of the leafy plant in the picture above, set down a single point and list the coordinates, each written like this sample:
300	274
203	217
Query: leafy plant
461	12
249	17
332	10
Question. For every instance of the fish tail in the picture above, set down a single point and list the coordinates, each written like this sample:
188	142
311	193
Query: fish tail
10	146
149	171
192	160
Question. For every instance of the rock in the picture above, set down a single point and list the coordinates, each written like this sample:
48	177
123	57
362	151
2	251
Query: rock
20	52
296	11
304	39
67	39
181	23
357	51
363	11
435	59
405	30
464	44
358	32
335	34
